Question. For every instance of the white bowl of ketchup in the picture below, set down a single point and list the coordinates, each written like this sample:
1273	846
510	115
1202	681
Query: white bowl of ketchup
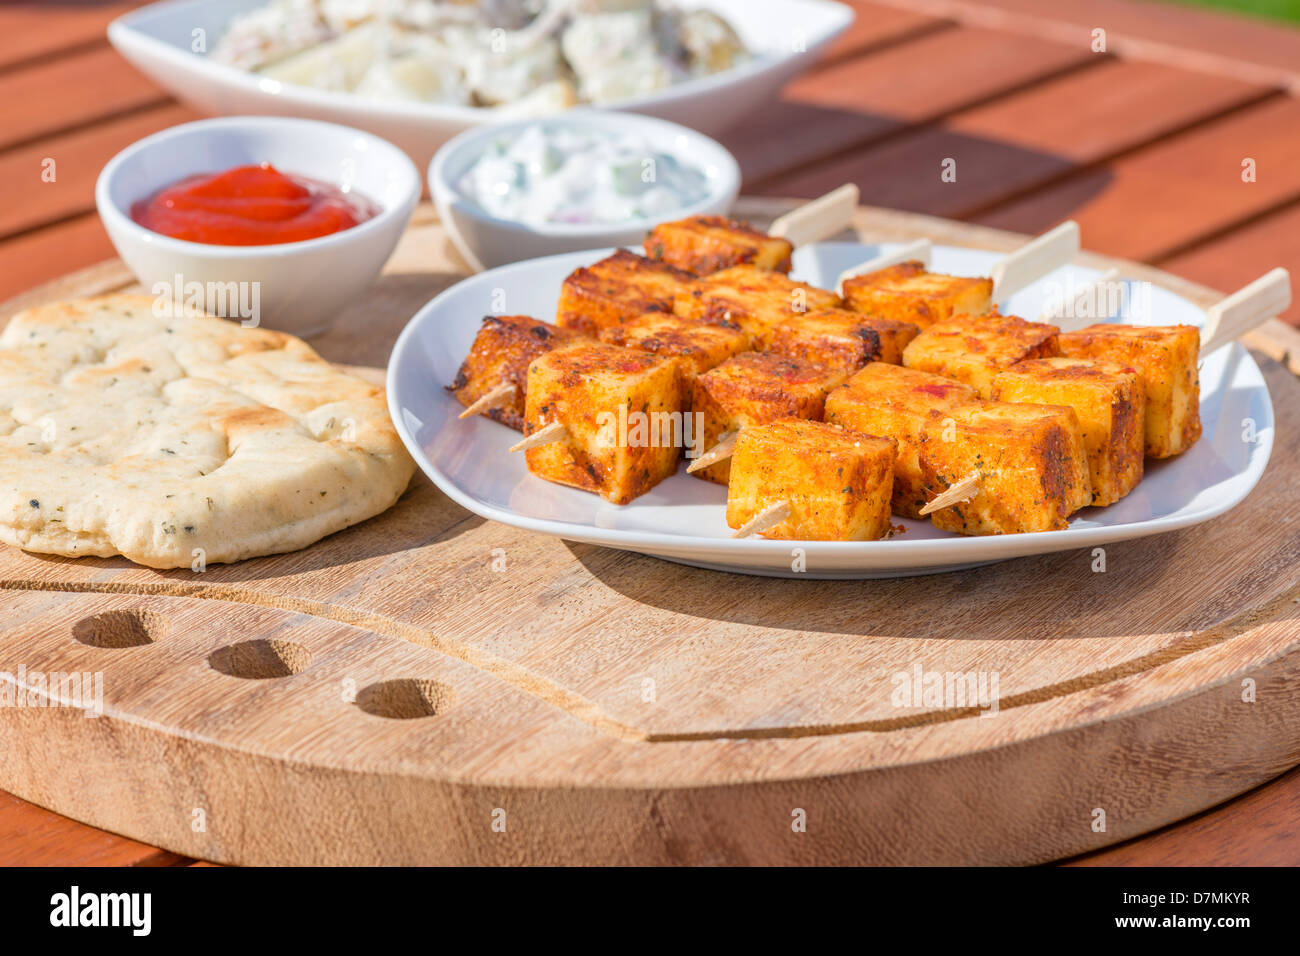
274	221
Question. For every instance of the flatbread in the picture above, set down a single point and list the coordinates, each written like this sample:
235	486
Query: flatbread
179	438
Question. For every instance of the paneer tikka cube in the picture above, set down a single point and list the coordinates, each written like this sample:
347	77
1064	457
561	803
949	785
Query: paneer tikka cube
703	245
618	288
1166	357
1032	466
501	353
755	299
699	345
974	348
837	482
623	417
898	402
1111	403
842	338
754	388
909	293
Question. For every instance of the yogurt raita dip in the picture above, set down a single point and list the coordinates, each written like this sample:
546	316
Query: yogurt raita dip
555	174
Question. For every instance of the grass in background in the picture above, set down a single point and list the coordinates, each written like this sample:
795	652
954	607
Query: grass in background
1273	9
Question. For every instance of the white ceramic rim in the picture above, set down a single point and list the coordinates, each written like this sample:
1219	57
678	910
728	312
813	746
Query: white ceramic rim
933	555
233	126
292	93
443	188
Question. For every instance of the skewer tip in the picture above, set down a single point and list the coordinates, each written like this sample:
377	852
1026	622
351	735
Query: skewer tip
725	447
546	435
773	514
963	490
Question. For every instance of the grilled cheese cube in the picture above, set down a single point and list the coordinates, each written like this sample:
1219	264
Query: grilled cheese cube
844	339
1110	402
837	482
699	346
705	244
622	410
908	293
1031	460
897	402
1166	358
756	300
501	353
754	388
974	348
617	288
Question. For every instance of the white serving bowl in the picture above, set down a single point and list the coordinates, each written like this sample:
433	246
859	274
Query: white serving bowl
487	241
788	36
299	286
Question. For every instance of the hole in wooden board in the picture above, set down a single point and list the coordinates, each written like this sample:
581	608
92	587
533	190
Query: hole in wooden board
406	699
261	659
133	627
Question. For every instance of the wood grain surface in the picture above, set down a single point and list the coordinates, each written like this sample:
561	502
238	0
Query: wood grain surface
1161	51
391	693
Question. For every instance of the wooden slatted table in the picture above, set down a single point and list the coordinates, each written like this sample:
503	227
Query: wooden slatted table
1142	143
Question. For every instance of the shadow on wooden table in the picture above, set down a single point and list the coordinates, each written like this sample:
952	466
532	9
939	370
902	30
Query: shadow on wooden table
930	169
1160	584
1050	597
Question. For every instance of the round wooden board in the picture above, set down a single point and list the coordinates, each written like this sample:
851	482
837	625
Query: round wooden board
562	703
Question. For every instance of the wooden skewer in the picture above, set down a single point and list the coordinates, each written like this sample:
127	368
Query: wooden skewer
819	218
918	249
1034	259
1227	320
769	516
546	435
1245	309
1011	273
488	400
725	447
964	490
1068	320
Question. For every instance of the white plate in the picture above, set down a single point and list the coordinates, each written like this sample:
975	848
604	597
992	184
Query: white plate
788	36
682	519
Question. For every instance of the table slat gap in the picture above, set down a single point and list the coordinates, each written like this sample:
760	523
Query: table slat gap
770	182
1118	41
1101	162
1245	222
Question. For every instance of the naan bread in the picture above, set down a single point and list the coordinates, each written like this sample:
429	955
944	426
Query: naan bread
174	439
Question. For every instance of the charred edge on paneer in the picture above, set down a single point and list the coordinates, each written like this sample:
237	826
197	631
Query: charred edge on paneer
1166	357
703	245
837	482
700	346
1110	402
755	299
974	348
884	399
1031	459
754	388
584	387
501	353
842	339
906	292
616	289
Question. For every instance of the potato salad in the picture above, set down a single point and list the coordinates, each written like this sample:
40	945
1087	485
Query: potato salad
524	57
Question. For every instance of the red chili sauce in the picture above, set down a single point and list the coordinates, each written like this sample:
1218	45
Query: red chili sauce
251	206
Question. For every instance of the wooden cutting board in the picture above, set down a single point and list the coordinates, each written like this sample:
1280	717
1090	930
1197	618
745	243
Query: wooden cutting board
430	687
